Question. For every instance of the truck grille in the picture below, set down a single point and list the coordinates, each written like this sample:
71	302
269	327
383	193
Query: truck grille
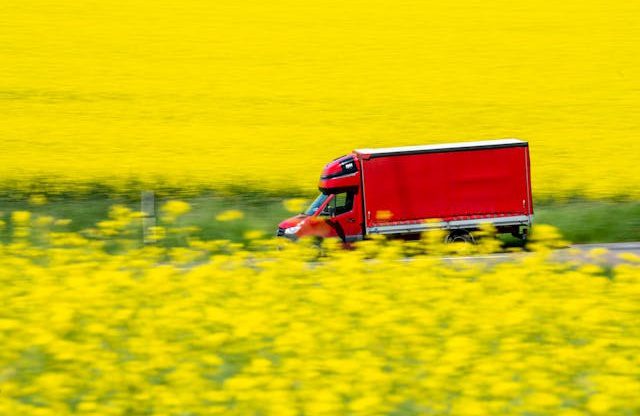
280	232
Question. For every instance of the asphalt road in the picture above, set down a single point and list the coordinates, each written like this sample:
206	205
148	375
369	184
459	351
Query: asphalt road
605	253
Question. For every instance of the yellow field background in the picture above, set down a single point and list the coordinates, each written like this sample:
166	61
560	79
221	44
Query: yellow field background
212	94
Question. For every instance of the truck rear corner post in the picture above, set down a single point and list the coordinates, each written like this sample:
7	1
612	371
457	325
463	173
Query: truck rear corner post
403	191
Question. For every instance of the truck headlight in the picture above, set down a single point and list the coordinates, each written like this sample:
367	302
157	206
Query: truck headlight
293	230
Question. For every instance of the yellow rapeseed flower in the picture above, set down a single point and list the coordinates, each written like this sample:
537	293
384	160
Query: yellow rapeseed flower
630	257
176	208
37	199
253	235
295	205
20	217
230	215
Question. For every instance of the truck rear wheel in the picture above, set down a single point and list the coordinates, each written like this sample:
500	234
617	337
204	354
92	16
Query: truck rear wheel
459	236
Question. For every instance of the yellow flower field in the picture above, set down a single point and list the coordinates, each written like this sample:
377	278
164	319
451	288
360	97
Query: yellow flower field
215	329
259	95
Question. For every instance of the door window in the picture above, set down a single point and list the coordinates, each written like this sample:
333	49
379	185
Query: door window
341	203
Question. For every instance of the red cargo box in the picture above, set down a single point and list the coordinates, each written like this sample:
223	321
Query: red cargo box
455	184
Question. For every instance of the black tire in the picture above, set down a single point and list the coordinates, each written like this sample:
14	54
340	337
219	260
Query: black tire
523	239
459	236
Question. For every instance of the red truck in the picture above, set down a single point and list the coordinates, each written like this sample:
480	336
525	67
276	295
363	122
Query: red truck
403	191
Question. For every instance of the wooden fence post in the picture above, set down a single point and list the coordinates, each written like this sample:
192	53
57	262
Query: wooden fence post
148	211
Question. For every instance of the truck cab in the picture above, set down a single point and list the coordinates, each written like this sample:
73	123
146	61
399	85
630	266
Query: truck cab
337	211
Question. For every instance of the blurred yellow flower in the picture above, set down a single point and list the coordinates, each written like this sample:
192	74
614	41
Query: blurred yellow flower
546	237
156	233
630	257
44	220
295	205
599	404
175	208
597	253
230	215
253	235
37	199
20	217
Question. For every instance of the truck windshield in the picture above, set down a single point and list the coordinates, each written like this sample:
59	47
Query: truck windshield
315	206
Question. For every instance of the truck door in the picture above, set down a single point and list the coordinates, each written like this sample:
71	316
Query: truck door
342	214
